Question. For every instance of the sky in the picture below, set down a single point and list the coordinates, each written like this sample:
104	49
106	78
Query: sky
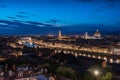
75	16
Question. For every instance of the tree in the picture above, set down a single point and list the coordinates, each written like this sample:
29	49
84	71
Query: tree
88	76
107	76
66	72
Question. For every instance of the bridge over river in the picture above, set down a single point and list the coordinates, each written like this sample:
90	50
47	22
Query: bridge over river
111	58
68	49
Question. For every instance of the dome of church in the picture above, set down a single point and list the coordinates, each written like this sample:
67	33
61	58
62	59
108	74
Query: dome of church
97	34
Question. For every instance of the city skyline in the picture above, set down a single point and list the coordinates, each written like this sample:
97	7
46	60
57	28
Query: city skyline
59	39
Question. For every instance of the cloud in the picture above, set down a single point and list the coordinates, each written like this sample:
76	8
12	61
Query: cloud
8	27
34	15
14	22
17	21
22	16
21	12
24	24
41	25
35	23
38	23
4	24
55	21
10	17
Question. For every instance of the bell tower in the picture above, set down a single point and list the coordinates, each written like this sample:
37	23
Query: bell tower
59	34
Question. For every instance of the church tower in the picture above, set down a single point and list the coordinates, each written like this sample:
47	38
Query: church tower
59	34
86	36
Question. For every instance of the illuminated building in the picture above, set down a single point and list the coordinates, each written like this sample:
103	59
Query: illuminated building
100	49
116	49
23	40
59	35
97	34
19	53
14	45
86	36
26	38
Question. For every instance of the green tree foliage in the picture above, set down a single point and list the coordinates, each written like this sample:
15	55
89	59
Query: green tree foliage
107	76
66	72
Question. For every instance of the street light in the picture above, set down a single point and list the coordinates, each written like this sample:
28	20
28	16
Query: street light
96	72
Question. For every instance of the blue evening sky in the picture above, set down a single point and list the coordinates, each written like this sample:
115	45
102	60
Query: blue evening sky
61	12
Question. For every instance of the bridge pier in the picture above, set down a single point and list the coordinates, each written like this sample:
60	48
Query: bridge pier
72	52
65	52
105	58
84	55
99	57
59	51
89	55
80	54
56	51
117	61
94	56
76	54
111	60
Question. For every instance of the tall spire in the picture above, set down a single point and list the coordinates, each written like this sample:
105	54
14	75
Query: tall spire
86	36
59	34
